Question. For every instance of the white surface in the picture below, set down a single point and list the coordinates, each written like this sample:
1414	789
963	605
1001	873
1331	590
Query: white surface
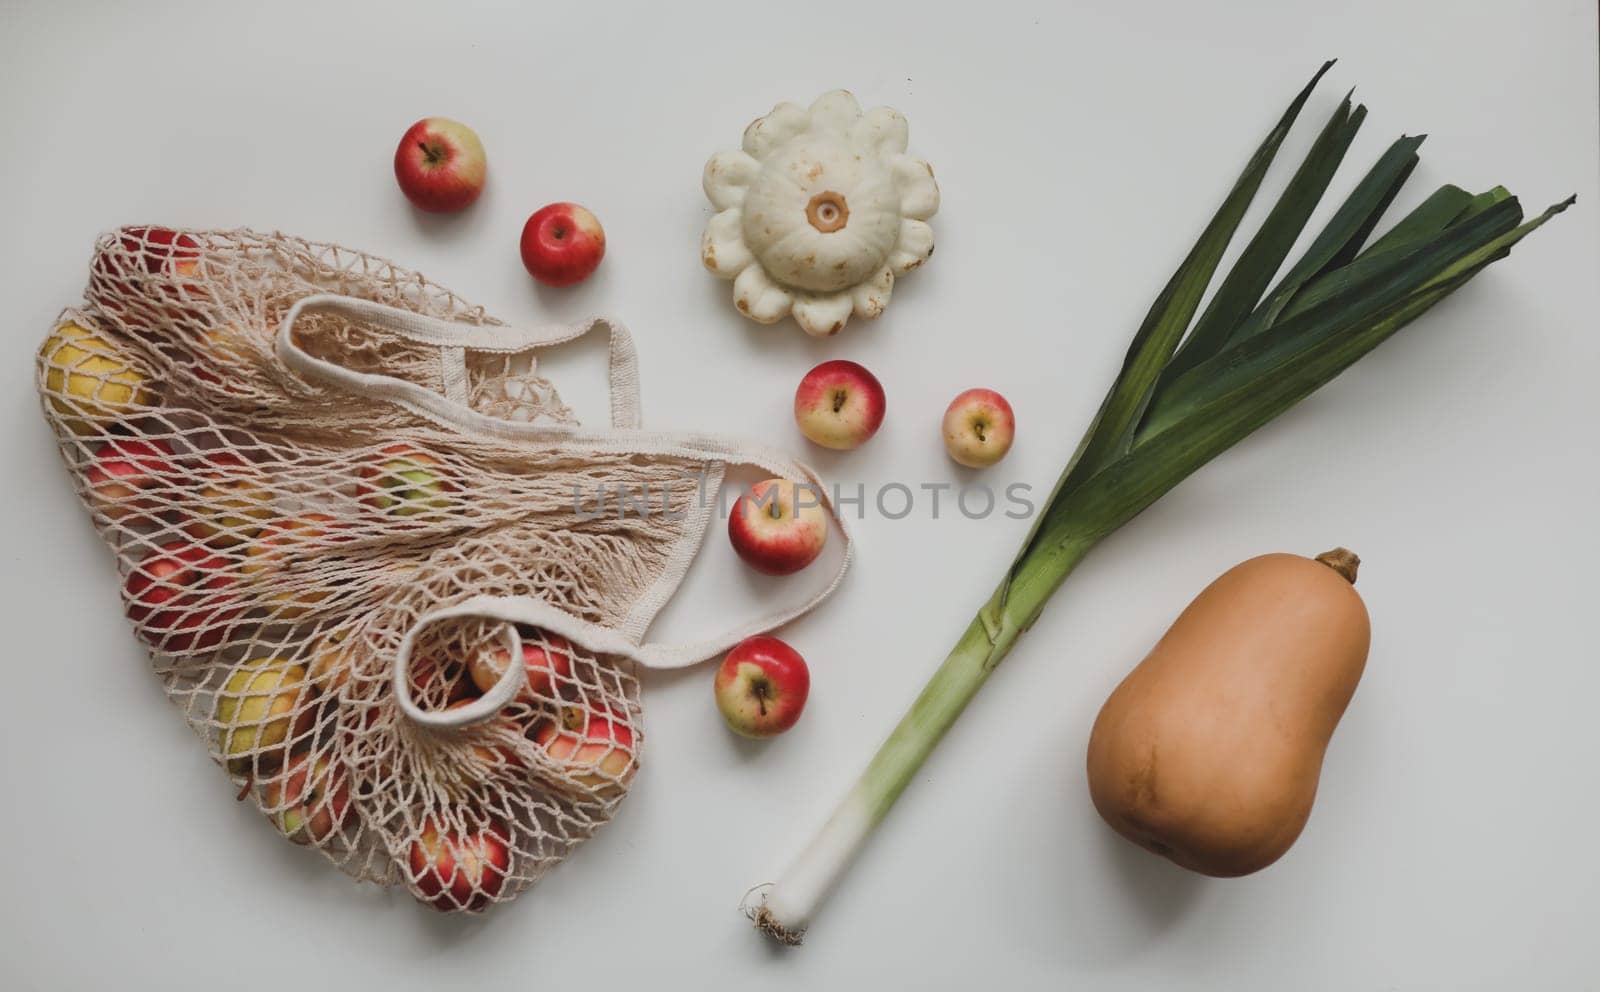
1079	152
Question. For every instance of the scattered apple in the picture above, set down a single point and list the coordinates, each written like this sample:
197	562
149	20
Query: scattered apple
308	800
453	870
89	381
761	687
546	665
839	405
595	750
440	165
979	428
262	712
124	475
562	244
405	482
233	503
779	526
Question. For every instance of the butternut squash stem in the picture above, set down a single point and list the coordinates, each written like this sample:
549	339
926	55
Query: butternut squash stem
1342	560
787	907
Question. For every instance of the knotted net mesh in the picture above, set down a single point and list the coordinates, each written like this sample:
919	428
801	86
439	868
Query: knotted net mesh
276	541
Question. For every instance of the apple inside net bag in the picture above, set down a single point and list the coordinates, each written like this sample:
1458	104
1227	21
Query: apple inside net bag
354	526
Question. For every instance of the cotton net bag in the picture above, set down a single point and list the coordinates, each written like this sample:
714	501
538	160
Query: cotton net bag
368	547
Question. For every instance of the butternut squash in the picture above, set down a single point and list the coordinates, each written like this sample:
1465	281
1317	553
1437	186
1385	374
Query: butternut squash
1209	752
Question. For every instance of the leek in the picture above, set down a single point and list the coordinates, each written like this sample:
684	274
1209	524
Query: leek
1188	390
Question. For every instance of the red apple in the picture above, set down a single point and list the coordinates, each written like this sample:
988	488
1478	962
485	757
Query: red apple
176	595
979	428
162	577
146	263
163	250
839	405
779	526
453	870
124	474
545	667
440	164
155	251
195	624
595	749
308	800
761	687
562	244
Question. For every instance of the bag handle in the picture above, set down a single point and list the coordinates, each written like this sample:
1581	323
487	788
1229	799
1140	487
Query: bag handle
454	339
626	639
659	655
497	698
453	413
534	612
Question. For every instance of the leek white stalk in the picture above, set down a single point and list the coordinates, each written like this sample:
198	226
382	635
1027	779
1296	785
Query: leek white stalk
1251	355
786	910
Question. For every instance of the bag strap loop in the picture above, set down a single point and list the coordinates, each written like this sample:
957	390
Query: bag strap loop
497	698
454	340
715	453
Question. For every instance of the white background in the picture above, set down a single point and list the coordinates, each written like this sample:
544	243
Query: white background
1079	147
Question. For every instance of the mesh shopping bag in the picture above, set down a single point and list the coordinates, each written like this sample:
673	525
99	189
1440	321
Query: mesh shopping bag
366	545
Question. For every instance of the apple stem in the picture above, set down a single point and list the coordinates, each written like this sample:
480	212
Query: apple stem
1342	560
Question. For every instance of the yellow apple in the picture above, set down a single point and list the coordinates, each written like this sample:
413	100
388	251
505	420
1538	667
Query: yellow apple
262	711
90	380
